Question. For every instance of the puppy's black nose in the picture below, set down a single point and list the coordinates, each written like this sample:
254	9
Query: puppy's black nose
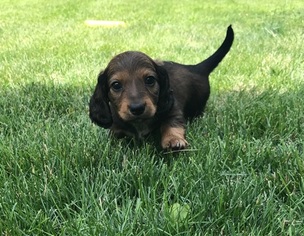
137	108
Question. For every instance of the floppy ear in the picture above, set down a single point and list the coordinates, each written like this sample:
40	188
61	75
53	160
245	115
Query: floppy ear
100	112
165	100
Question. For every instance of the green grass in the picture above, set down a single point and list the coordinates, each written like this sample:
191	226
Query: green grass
62	175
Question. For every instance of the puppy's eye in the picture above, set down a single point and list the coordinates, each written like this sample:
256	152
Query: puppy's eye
116	86
150	80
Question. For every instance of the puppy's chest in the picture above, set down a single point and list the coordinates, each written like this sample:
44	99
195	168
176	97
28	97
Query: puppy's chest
138	129
142	128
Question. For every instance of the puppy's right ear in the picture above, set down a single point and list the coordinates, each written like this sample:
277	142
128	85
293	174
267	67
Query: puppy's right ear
100	112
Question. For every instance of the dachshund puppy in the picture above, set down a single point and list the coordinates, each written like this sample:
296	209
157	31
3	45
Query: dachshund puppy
136	95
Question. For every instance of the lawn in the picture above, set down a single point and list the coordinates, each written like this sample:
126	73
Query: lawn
243	173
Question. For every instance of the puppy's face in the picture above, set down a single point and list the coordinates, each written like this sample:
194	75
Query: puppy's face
133	86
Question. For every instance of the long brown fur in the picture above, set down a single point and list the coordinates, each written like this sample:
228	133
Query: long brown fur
136	95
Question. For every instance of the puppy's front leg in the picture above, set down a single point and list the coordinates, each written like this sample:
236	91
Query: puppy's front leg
173	137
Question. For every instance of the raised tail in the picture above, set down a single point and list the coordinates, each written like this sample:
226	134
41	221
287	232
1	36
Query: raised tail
208	65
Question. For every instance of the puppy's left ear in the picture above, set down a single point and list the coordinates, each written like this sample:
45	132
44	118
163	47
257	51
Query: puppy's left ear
100	112
165	100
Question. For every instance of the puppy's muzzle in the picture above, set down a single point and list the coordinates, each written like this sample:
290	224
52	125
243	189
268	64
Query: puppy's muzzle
137	109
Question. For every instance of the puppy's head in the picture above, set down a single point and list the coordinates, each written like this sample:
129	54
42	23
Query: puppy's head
134	87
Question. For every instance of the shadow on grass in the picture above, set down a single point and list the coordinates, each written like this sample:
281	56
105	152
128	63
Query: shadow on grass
250	114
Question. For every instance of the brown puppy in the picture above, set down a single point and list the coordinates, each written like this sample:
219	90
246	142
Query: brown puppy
136	95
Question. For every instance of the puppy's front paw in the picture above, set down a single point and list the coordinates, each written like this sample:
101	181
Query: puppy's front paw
174	143
173	138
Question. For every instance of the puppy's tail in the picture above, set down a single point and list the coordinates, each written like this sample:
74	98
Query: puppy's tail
208	65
